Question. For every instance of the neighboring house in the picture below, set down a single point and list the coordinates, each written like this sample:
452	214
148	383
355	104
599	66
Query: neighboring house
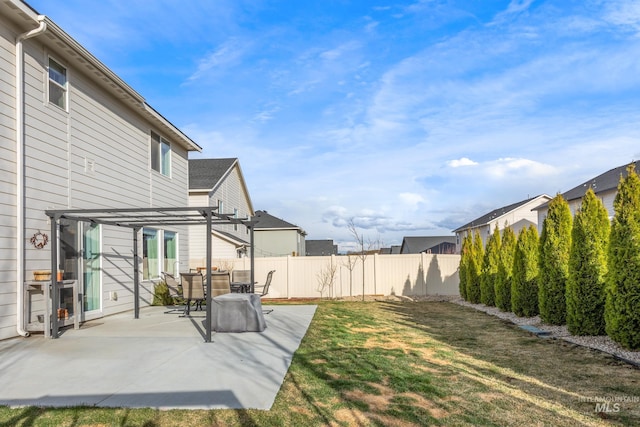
73	135
320	247
276	237
428	244
395	249
219	182
517	216
604	185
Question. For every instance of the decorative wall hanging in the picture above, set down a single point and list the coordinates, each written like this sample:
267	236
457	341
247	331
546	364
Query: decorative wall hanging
39	240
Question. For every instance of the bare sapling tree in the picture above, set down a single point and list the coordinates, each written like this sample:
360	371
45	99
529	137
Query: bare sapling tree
363	248
326	278
350	263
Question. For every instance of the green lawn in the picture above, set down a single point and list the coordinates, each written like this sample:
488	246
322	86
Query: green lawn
411	363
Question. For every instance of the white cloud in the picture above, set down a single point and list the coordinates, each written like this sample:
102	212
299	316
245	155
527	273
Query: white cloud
226	55
461	162
623	13
411	199
523	168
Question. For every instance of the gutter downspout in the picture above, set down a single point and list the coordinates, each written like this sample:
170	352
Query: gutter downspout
20	171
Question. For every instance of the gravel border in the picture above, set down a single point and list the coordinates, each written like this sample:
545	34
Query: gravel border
602	343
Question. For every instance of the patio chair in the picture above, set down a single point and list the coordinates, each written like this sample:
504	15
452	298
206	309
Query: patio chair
220	283
175	291
192	289
265	288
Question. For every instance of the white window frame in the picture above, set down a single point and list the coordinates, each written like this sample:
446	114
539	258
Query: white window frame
64	87
160	148
159	262
235	215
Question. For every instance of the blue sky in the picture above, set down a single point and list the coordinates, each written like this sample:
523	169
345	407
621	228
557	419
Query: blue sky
409	117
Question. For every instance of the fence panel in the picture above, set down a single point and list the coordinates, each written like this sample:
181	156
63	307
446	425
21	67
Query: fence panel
303	277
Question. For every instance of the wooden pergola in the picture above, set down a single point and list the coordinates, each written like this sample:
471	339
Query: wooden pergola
136	219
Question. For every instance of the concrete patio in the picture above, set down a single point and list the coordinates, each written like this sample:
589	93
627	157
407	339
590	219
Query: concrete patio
158	361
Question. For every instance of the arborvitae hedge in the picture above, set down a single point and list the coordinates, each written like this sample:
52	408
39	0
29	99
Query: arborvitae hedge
490	269
588	268
474	269
555	243
622	306
464	261
524	286
505	270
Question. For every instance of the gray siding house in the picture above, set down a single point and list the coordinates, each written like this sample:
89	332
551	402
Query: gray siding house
320	247
219	183
428	244
276	237
604	185
73	135
517	215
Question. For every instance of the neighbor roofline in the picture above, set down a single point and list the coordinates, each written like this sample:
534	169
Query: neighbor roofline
469	225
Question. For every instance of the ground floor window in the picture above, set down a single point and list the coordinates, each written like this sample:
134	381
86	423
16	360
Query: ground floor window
160	253
150	266
170	252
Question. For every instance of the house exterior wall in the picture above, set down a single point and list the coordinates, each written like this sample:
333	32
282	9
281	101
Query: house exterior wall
233	196
7	182
270	243
518	218
607	197
94	155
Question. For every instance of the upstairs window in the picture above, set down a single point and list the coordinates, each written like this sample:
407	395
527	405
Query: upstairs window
160	154
235	215
57	84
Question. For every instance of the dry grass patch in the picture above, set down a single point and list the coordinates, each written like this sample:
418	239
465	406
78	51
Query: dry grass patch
410	364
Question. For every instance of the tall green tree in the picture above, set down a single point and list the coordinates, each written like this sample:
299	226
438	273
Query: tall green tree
490	269
474	269
622	305
505	270
524	285
588	267
555	244
464	261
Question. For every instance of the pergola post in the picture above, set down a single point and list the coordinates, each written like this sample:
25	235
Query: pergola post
208	298
253	280
136	276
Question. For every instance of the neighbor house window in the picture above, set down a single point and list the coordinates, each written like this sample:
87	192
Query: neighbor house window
57	84
150	255
160	154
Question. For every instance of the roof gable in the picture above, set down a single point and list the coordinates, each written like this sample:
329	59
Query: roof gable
497	213
266	221
205	174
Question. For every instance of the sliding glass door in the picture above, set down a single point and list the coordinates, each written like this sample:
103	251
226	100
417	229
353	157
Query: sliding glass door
92	283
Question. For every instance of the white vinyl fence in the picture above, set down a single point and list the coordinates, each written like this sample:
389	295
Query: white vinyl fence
339	276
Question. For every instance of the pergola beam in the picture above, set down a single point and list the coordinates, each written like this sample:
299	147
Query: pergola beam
136	218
